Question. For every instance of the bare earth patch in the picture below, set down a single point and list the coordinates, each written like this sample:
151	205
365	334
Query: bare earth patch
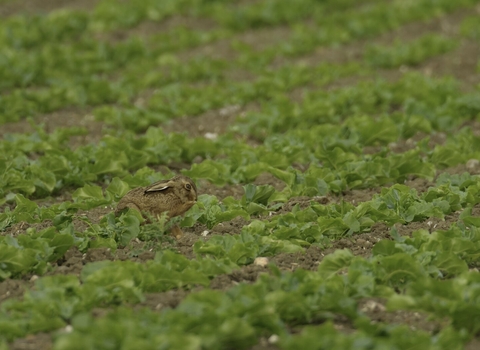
17	7
33	342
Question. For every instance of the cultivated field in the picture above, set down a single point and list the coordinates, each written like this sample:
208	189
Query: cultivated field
335	145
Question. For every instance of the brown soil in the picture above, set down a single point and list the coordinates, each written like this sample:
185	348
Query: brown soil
359	244
376	310
17	7
33	342
66	118
159	301
247	274
11	288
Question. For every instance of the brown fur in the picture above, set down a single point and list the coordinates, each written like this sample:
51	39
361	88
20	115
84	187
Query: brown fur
174	196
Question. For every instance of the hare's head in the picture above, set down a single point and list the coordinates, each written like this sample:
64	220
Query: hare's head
183	187
186	188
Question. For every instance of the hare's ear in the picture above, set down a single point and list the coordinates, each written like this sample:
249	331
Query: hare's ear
159	186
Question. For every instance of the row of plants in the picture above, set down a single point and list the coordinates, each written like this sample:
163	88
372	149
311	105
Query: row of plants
432	279
83	73
57	60
32	251
22	31
325	130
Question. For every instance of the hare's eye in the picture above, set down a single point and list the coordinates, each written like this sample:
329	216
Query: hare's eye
188	187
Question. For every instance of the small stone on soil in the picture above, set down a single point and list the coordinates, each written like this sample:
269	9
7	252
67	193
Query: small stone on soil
472	164
260	261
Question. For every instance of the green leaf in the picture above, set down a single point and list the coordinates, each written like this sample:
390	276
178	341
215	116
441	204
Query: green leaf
450	264
117	188
215	172
398	269
471	220
14	260
385	248
129	229
89	196
110	281
61	243
88	192
333	263
257	194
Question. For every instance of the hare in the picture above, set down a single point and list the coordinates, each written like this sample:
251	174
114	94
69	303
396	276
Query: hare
174	196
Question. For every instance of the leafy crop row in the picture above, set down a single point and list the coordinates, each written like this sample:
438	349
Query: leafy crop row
282	233
438	107
40	248
408	54
267	307
354	24
413	103
320	223
76	74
